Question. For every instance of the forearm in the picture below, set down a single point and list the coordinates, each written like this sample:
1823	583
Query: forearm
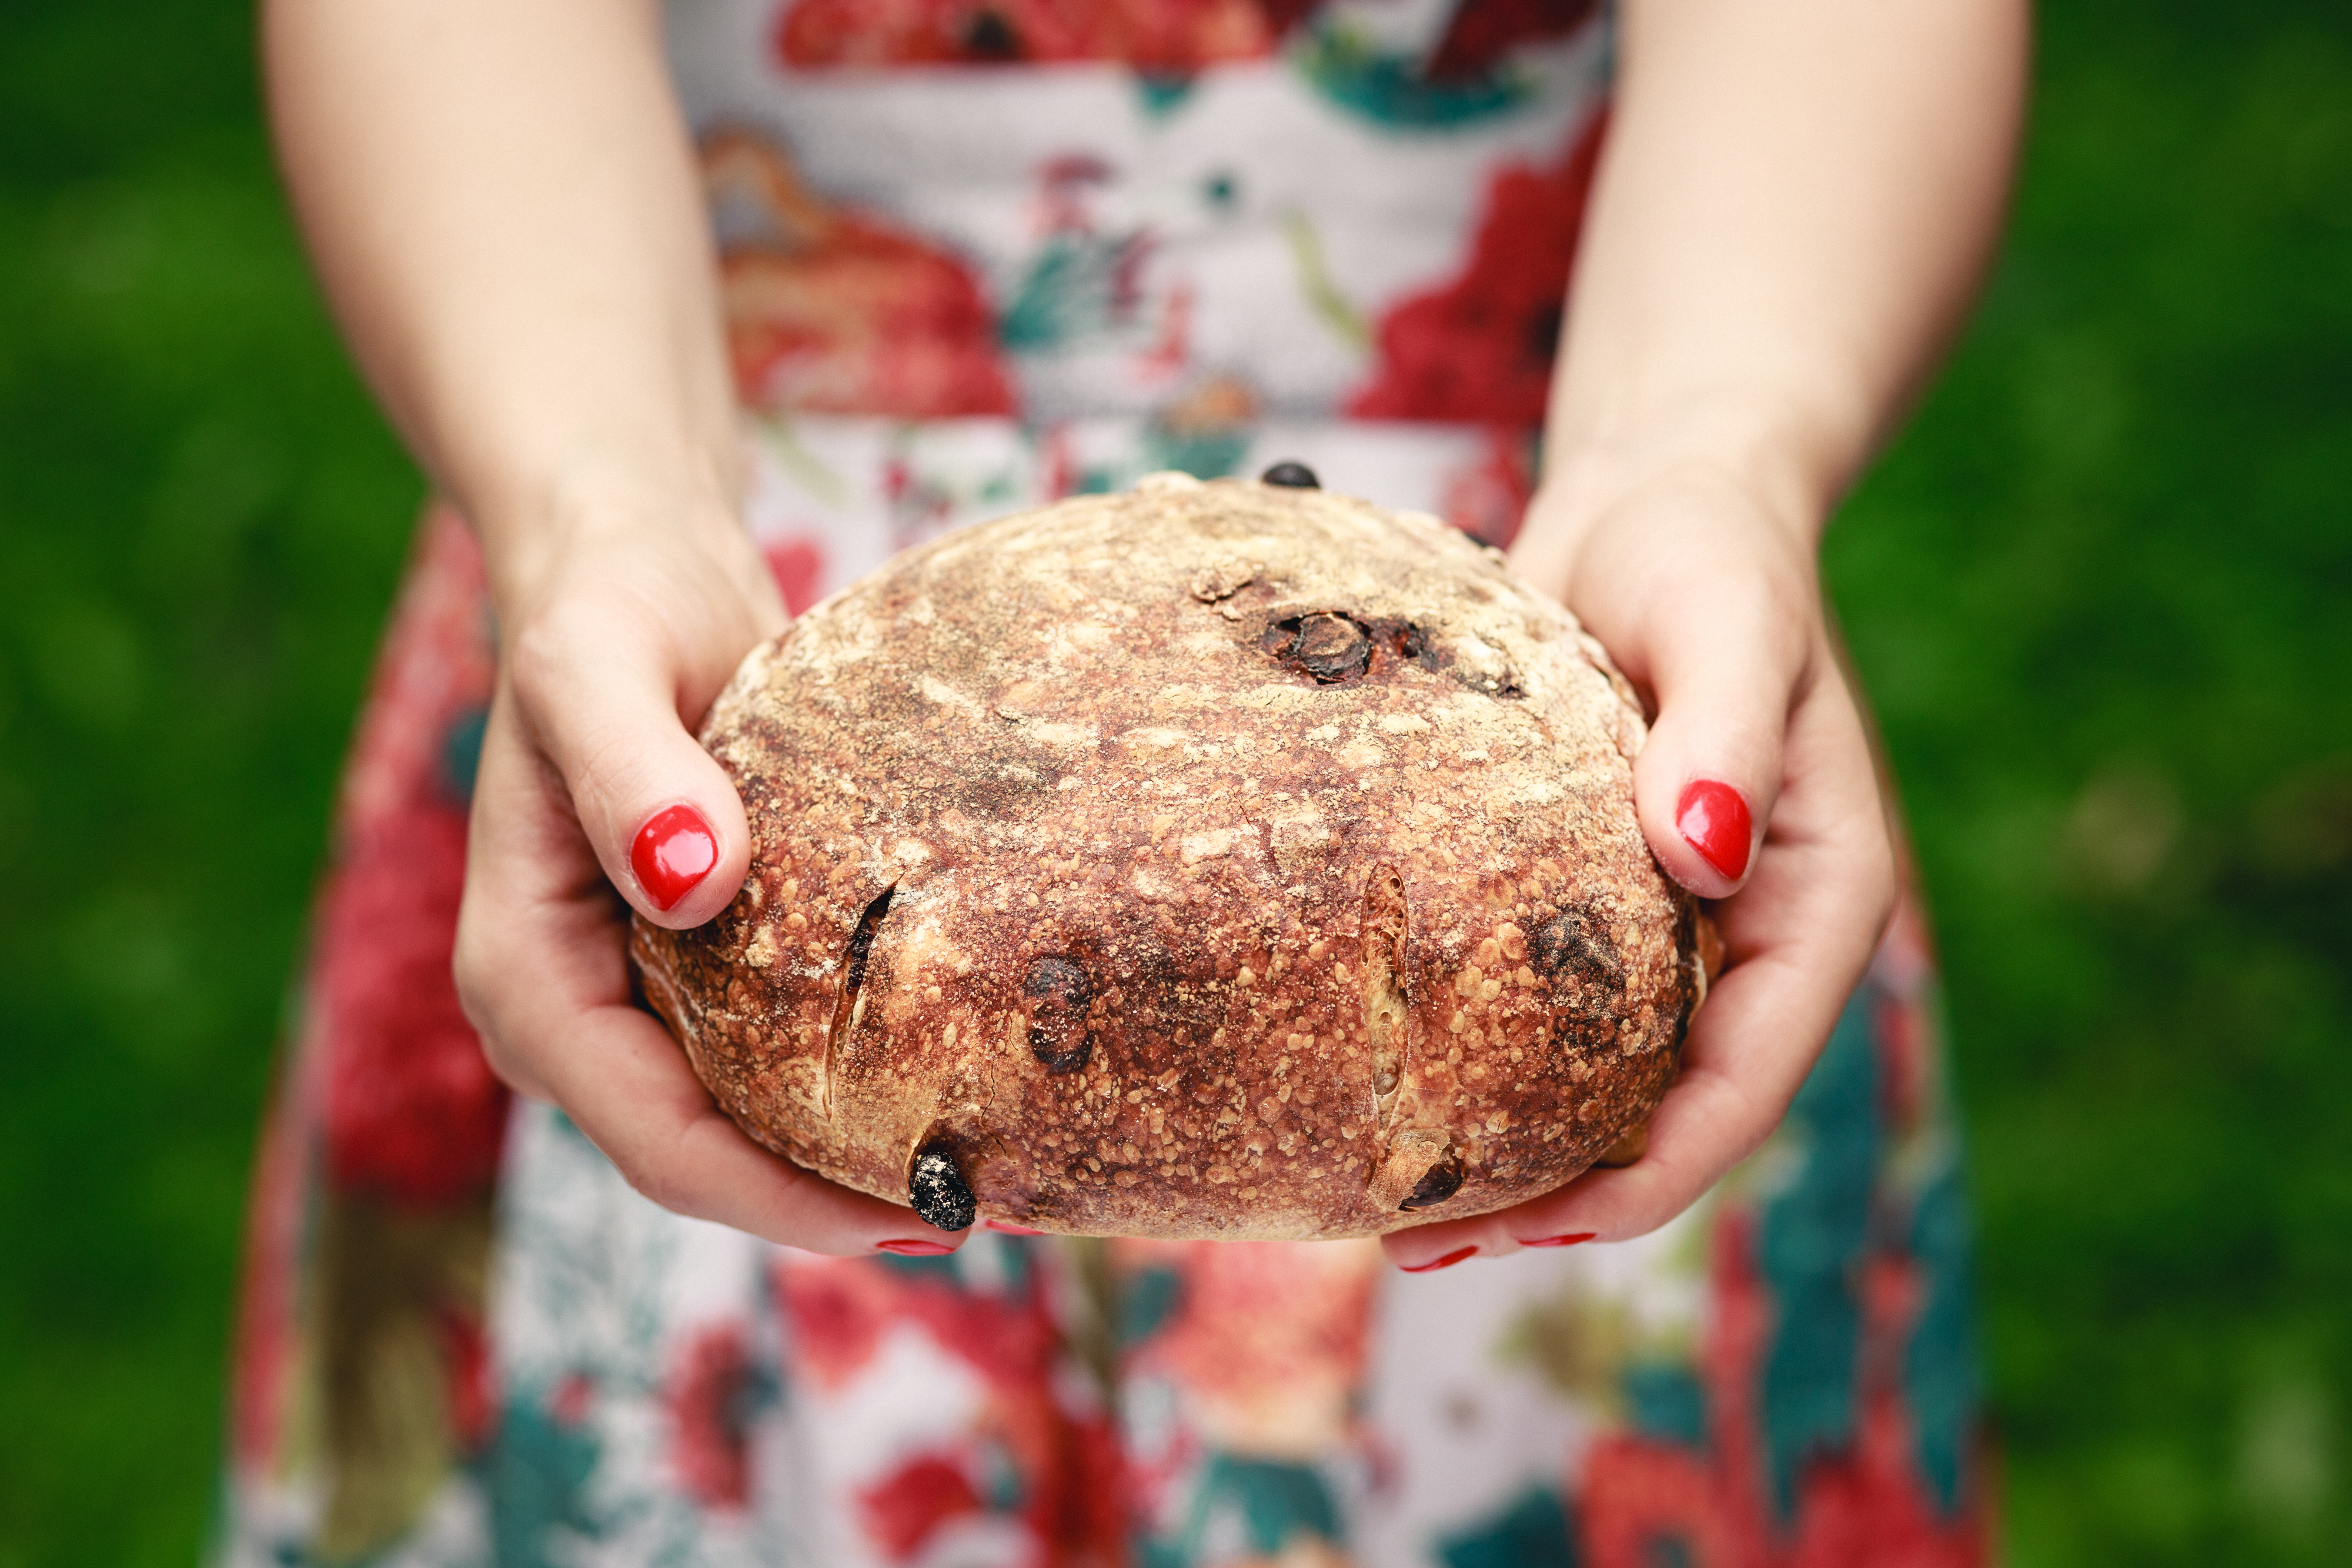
1794	205
501	201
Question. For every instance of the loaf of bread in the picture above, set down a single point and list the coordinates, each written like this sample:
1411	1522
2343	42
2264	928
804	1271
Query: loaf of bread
1226	860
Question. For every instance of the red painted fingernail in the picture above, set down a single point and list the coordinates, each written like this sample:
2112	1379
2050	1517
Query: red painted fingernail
1011	1230
1713	820
674	852
1447	1261
1570	1240
914	1249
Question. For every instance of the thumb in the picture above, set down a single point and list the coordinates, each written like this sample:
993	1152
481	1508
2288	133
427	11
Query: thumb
1725	659
600	693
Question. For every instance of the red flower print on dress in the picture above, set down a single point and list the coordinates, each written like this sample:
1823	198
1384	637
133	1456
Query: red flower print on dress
413	1112
1483	31
709	1388
465	1364
1069	1464
569	1404
798	566
1171	38
1641	1496
1479	349
1267	1339
834	311
904	1510
1487	498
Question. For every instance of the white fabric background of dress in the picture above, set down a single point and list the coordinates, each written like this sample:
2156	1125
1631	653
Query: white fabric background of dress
1271	218
1475	1386
599	1303
862	489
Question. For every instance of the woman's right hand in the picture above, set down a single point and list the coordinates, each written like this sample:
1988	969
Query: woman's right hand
614	638
504	204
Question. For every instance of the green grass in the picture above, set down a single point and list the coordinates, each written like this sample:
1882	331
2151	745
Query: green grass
2103	595
2102	592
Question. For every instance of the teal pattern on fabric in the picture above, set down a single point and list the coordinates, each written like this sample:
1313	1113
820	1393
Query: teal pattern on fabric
1535	1531
461	753
1940	1366
1666	1402
1811	1237
1273	1501
1204	453
1147	1303
941	1269
1076	289
536	1474
1391	90
1163	94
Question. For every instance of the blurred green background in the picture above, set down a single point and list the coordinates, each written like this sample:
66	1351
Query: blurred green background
2102	591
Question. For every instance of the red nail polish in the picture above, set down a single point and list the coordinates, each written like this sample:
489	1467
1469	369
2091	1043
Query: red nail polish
674	852
1570	1240
914	1249
1447	1261
1713	820
1011	1230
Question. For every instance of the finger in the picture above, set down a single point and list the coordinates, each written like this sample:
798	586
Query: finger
1707	604
1799	938
541	972
1726	657
626	1083
536	915
603	686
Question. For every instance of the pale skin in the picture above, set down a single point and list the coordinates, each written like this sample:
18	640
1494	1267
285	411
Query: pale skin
1795	201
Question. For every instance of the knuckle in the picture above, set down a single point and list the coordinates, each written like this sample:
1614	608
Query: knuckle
474	973
504	1065
1880	885
1650	1201
555	645
481	965
539	656
470	970
654	1180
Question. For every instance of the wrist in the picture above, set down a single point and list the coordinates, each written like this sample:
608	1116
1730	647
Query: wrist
536	535
1766	450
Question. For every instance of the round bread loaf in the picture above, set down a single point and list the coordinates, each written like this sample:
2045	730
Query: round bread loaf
1221	860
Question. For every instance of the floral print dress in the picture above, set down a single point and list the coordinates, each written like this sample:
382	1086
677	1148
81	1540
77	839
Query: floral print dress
980	254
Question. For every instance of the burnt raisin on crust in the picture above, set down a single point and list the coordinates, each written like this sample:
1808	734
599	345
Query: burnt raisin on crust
1057	994
937	1191
1443	1180
1227	860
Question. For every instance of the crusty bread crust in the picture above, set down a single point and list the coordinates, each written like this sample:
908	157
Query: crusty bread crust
1210	860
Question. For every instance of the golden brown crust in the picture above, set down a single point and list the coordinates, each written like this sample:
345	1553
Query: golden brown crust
1212	860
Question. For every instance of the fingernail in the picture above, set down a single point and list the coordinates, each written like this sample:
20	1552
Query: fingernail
914	1249
1010	1229
1570	1240
1434	1264
1713	820
674	852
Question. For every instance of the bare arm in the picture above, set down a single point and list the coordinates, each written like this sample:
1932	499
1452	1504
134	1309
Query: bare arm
1793	207
502	203
501	199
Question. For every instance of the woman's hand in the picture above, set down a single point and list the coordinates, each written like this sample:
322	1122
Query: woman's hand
614	640
504	206
1709	602
1792	206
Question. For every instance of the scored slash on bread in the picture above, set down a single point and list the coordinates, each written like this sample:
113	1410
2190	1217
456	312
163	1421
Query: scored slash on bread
1216	860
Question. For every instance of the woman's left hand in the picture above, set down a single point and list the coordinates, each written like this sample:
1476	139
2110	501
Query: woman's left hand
1755	790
